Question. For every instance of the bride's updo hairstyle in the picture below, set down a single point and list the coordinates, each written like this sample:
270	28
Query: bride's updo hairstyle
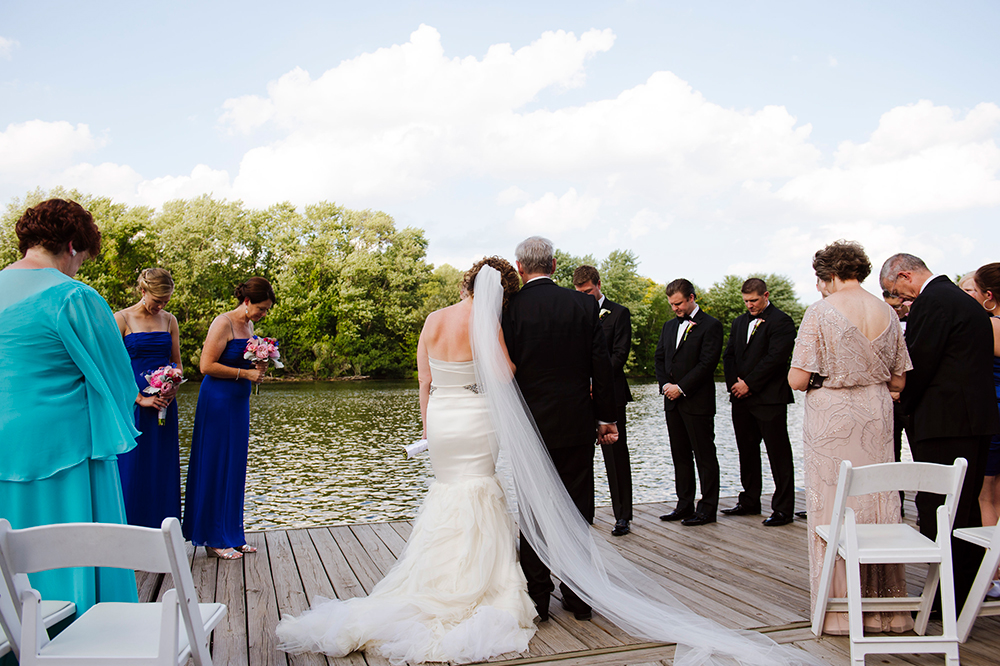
156	282
257	289
509	279
844	259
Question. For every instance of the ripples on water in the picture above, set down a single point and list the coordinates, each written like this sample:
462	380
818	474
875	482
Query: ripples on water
331	452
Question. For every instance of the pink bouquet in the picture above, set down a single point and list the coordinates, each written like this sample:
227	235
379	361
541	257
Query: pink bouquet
261	350
164	378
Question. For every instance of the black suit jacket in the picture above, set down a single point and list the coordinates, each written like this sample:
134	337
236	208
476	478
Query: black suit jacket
949	392
763	361
554	338
617	326
691	365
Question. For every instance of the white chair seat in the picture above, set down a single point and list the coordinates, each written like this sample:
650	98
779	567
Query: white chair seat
52	612
135	628
878	544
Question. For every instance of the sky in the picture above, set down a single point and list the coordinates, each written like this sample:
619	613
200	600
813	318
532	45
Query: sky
709	138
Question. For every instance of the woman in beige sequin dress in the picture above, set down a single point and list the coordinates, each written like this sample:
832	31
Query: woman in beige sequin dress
852	340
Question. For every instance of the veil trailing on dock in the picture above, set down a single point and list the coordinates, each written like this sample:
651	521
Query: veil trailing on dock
564	541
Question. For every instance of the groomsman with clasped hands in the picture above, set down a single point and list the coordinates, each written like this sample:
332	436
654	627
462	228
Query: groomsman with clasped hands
756	367
686	356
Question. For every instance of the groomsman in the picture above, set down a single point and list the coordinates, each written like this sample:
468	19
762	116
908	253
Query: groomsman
686	355
949	395
555	340
756	366
616	321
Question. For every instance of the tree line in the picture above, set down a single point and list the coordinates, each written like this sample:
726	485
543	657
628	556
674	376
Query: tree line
353	290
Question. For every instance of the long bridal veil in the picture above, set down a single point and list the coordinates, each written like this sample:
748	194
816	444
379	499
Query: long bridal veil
565	542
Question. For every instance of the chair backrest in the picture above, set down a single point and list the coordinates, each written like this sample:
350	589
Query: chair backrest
912	476
103	545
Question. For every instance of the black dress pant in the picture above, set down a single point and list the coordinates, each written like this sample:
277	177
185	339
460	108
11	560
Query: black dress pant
575	465
619	467
966	557
770	424
692	442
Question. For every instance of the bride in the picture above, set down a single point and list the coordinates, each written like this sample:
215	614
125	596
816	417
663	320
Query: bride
456	593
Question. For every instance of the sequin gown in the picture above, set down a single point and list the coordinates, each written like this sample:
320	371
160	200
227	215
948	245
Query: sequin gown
850	418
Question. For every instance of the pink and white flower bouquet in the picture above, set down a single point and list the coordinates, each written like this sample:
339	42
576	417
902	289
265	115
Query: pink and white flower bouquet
262	350
165	378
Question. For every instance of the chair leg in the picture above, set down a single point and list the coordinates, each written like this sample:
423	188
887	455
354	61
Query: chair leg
970	611
927	598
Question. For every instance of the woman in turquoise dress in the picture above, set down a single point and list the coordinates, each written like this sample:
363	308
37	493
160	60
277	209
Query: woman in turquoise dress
213	502
66	391
151	472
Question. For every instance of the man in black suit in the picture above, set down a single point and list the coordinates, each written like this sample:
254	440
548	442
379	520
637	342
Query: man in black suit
756	366
555	341
616	321
949	395
686	355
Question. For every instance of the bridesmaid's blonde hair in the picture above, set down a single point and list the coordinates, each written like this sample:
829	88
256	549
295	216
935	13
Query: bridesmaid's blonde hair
156	282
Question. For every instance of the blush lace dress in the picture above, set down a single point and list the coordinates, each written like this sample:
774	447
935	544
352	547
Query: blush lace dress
457	592
850	418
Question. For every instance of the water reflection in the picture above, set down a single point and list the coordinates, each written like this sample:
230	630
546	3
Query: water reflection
331	452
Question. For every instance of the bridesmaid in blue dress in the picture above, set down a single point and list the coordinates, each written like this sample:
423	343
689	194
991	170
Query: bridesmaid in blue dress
151	472
213	502
65	396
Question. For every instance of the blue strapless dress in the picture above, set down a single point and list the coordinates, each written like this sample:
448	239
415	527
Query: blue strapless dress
217	473
151	472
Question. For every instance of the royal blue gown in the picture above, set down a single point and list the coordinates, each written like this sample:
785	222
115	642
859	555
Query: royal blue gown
151	472
65	415
217	473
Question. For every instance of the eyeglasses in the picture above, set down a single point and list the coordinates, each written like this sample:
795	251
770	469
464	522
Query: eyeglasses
892	291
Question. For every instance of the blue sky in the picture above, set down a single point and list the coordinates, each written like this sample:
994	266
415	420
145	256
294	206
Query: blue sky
708	137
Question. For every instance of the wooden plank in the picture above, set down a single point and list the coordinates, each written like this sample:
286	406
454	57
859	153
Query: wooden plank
366	570
289	590
148	585
230	641
392	539
374	547
403	528
262	606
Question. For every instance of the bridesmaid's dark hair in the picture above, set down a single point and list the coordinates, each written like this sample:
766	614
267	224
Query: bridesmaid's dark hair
844	259
257	289
54	223
509	279
988	280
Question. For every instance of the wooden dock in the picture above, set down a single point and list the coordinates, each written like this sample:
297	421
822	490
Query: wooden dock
736	571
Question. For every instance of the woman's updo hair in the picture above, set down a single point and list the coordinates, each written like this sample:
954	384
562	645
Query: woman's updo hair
844	259
988	280
257	289
509	279
156	282
54	223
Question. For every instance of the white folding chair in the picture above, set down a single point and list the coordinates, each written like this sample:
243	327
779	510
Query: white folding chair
976	605
861	544
111	632
10	615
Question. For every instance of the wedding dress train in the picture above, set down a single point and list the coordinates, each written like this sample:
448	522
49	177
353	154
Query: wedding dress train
457	592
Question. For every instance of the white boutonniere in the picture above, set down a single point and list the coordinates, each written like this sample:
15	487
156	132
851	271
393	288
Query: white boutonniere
604	313
760	322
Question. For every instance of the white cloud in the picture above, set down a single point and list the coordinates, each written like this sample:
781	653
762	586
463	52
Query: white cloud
36	147
512	195
644	221
551	215
920	159
7	47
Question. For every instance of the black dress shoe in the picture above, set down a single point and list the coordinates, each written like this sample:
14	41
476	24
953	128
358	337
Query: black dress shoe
582	613
621	528
541	607
801	514
777	519
677	514
698	519
742	510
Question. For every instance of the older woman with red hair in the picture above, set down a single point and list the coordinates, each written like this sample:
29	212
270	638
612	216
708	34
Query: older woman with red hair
66	393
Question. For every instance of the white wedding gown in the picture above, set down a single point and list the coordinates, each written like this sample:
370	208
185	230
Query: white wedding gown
457	592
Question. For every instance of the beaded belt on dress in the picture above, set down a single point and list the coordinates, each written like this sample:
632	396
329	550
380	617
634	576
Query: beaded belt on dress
468	387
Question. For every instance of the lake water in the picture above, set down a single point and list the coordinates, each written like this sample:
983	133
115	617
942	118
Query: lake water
323	453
